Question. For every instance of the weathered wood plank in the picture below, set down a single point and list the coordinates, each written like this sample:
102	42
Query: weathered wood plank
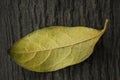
20	17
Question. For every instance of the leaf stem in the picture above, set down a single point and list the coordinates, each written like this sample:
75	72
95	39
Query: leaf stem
105	25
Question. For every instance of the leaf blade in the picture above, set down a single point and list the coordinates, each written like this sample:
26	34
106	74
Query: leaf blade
54	43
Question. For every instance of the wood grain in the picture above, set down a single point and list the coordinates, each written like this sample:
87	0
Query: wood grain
20	17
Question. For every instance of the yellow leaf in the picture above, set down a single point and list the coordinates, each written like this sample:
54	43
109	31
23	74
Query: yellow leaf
55	47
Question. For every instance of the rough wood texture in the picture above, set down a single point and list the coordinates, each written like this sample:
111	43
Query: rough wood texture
20	17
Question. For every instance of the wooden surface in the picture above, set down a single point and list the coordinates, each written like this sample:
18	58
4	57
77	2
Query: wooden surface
20	17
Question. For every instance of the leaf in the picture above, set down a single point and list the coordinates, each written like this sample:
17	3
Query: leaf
55	47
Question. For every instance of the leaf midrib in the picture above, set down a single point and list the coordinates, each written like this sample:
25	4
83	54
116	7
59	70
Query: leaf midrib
100	33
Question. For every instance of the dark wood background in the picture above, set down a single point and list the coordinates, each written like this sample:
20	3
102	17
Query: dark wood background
20	17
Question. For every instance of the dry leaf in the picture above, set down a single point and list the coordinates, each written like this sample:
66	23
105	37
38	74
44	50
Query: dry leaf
55	47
